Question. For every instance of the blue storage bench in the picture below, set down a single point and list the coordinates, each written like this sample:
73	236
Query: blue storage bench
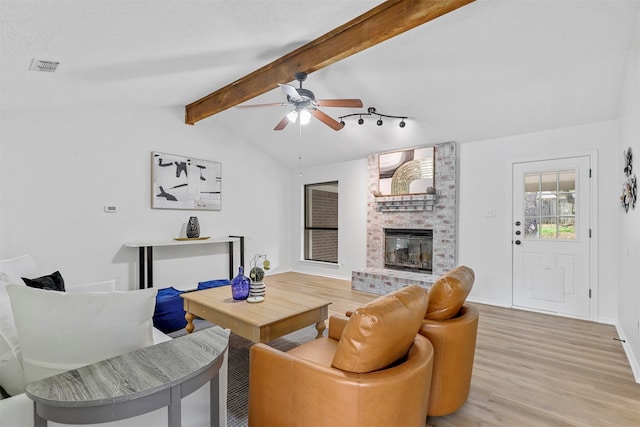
213	284
169	313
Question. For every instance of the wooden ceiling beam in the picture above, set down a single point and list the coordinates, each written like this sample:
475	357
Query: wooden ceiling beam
381	23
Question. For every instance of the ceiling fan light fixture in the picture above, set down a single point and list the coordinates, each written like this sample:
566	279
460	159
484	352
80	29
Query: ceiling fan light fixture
305	105
305	117
292	116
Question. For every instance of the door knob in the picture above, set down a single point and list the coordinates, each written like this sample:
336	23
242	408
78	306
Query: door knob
518	242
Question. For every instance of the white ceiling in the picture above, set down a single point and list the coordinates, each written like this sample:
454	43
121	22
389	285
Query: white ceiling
492	68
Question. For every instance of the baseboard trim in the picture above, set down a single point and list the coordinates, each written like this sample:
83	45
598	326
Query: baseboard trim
488	302
633	359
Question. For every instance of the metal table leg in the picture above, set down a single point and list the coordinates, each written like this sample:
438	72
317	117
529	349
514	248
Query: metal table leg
145	261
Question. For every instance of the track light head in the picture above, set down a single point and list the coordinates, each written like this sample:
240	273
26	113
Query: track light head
342	122
402	124
379	122
360	121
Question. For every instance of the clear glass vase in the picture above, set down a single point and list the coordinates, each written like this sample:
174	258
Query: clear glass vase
240	285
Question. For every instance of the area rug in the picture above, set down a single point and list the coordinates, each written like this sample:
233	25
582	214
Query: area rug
238	382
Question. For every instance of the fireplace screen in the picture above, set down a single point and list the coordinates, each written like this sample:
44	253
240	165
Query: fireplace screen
408	249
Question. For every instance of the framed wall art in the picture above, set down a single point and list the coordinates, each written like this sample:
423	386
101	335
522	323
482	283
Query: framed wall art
406	172
179	182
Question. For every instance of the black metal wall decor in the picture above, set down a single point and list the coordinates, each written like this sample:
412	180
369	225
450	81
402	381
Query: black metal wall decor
629	187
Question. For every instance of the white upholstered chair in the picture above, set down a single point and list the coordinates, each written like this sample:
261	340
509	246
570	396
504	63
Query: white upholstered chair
35	330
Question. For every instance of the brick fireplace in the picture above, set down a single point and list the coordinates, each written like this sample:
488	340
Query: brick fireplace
437	213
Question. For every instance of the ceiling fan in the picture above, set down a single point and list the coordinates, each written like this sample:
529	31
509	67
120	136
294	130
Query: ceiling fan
305	105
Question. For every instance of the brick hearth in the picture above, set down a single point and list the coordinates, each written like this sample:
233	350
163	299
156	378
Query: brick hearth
441	217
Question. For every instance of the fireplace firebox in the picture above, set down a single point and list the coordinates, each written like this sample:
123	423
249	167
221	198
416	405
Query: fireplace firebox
409	250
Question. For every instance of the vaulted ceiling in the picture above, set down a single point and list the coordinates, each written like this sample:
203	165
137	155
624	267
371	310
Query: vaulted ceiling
489	69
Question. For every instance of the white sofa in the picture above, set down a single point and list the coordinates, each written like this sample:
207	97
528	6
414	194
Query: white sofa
93	309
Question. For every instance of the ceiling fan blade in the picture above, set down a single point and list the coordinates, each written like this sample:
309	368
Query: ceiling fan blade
282	123
273	104
346	103
324	118
291	92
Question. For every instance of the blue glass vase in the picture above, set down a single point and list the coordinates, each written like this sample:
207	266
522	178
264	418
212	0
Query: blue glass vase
240	285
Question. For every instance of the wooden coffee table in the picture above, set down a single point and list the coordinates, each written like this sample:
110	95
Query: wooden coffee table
281	312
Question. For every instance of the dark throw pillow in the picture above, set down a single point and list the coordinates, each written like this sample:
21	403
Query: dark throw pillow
52	282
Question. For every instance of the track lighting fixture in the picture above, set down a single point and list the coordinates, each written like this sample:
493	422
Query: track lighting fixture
371	111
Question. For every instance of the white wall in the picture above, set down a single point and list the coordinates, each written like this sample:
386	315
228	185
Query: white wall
60	168
628	249
485	242
353	184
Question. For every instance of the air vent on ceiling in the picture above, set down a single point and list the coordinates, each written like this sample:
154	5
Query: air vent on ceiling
45	66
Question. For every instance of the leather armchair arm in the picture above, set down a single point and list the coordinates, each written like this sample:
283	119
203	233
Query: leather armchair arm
270	380
289	391
336	326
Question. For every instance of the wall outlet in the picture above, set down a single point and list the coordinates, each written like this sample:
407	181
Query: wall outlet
491	213
111	209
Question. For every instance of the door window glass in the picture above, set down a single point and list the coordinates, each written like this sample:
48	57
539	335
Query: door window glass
550	205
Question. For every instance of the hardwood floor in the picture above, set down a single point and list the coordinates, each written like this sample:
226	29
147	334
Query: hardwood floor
335	290
530	369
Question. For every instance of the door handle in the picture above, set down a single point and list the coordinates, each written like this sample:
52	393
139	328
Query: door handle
518	242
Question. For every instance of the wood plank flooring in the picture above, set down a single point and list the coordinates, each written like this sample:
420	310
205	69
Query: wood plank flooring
530	369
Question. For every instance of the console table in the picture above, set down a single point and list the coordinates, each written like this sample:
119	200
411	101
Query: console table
135	383
145	254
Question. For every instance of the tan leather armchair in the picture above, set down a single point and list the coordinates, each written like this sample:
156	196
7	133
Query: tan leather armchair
451	325
372	369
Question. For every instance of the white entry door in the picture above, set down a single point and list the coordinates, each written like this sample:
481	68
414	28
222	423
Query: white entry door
550	232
